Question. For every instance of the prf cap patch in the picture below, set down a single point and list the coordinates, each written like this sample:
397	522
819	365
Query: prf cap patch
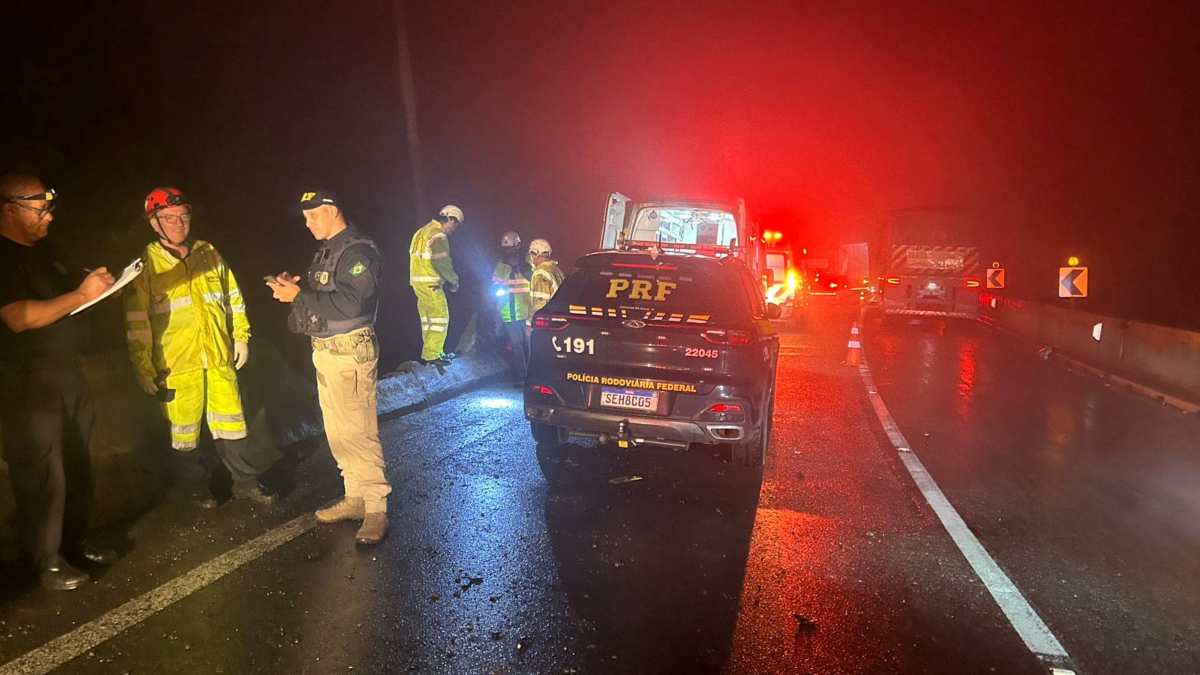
358	269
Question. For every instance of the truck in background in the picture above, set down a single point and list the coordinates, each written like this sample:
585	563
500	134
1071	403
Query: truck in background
929	264
852	262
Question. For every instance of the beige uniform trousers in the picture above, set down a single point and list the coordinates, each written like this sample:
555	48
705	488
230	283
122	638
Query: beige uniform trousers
346	372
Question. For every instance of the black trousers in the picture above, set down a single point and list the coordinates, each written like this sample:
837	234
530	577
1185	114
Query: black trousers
519	340
47	421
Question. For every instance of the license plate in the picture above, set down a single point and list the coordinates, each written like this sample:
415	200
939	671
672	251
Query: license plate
629	399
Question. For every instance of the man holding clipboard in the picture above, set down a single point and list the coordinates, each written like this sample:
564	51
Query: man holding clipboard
42	385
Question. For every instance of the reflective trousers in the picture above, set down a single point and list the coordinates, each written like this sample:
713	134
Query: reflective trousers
519	339
435	319
346	375
47	418
213	391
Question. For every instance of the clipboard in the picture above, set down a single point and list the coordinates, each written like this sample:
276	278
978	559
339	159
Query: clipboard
131	271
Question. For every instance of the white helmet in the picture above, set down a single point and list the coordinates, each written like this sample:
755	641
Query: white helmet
539	247
452	211
510	239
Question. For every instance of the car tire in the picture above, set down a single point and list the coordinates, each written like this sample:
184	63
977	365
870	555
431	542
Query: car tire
753	453
548	434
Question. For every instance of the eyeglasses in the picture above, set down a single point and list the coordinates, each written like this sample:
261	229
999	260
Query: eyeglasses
170	219
48	196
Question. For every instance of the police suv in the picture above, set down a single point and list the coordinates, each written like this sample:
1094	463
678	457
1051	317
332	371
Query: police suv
667	349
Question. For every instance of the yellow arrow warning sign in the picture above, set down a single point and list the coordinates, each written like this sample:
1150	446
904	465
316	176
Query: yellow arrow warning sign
995	277
1072	282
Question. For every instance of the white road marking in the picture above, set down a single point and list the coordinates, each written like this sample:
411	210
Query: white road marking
63	649
1033	631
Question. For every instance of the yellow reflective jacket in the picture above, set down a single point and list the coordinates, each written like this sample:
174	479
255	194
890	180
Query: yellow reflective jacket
429	257
544	283
514	302
183	315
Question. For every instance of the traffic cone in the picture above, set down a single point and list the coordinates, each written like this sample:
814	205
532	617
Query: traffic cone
854	347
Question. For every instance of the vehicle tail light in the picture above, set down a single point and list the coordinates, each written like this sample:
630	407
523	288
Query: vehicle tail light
895	281
542	390
727	337
973	283
550	322
724	412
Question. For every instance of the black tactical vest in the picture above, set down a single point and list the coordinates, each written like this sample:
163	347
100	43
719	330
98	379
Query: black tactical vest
322	278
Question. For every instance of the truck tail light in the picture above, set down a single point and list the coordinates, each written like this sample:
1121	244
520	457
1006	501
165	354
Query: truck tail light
973	283
550	322
895	281
542	390
727	337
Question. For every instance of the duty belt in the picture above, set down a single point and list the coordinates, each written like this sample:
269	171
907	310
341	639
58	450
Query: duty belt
344	341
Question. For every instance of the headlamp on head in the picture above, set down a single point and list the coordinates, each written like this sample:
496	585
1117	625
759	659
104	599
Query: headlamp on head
49	196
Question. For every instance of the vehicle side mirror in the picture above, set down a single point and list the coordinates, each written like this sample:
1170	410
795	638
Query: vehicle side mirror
774	311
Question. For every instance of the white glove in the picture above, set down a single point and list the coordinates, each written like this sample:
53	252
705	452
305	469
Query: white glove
241	354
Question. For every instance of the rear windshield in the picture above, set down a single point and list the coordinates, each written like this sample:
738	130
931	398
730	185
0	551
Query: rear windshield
685	225
690	296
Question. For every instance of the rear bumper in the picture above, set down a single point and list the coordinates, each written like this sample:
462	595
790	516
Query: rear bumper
636	429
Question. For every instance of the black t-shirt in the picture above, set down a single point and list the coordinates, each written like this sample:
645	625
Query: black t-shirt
34	273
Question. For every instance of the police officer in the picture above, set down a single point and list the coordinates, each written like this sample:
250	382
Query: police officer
42	386
337	311
510	279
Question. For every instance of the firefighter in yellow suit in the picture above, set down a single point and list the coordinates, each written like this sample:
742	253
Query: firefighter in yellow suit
546	277
430	273
188	334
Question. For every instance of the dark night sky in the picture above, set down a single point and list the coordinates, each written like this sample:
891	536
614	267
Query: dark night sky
1070	130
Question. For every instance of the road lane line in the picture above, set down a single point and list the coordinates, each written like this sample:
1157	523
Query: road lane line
1033	631
64	648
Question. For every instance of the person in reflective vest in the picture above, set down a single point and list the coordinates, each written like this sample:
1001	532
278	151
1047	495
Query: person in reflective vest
337	311
431	273
510	281
186	326
546	277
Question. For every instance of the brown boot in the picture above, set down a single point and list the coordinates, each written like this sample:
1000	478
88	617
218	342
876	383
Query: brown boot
350	508
374	528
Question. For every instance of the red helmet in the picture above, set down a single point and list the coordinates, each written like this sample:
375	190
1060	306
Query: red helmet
162	197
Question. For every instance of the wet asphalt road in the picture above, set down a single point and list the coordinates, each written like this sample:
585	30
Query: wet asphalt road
509	558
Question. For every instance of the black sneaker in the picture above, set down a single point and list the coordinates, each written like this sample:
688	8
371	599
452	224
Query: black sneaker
60	576
255	492
205	499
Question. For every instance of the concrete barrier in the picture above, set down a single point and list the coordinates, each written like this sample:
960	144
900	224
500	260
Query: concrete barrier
1163	362
131	447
